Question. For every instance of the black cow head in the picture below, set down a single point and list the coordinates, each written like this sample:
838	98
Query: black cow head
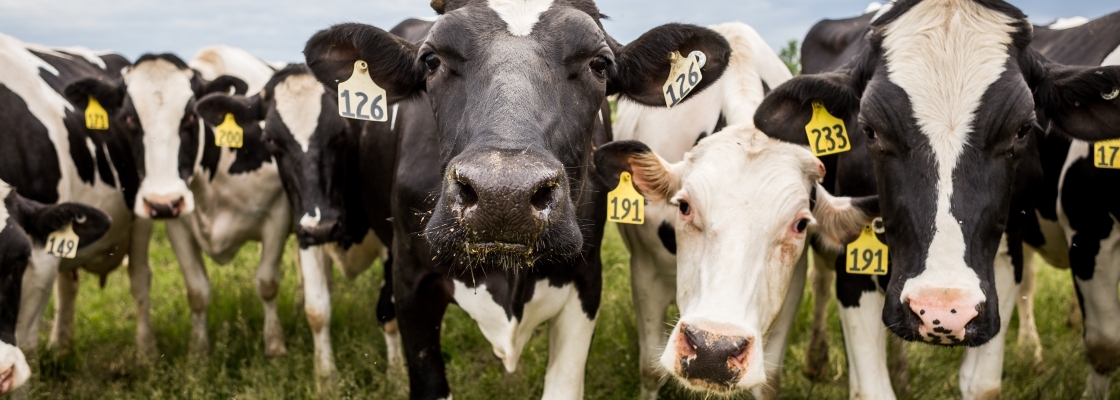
945	98
516	88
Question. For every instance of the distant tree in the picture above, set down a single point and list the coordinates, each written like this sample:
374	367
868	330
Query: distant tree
792	57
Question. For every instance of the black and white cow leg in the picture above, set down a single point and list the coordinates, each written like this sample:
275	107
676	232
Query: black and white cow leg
38	281
1028	341
774	350
861	318
1100	307
899	366
268	279
569	343
140	284
653	285
189	254
982	367
816	358
66	293
387	316
315	265
422	303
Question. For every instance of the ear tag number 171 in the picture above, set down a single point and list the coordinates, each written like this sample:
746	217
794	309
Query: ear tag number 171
360	98
867	255
827	134
1105	154
624	204
684	75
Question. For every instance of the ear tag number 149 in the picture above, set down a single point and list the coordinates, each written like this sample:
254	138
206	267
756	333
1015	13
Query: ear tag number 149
827	134
1105	154
867	255
684	75
63	243
360	98
624	204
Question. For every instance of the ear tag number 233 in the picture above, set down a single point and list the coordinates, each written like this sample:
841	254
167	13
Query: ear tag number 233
684	75
867	255
624	204
360	98
827	134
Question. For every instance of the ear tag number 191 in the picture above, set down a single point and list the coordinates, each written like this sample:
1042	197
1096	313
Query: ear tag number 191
684	75
360	98
96	116
624	204
229	134
827	134
867	255
1105	154
63	243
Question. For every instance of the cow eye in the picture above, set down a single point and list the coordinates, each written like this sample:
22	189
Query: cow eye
801	225
1025	130
684	207
599	64
869	132
432	62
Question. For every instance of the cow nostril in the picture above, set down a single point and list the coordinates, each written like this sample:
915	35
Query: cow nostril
467	196
542	197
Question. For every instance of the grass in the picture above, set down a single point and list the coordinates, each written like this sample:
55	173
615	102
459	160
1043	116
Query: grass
104	363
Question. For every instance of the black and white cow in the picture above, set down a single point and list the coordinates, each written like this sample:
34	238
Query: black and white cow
24	228
939	136
52	157
495	205
670	133
214	199
744	205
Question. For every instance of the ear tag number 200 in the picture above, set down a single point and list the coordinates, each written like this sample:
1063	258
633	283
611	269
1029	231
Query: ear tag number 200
1105	154
867	255
229	134
827	134
624	204
684	75
360	98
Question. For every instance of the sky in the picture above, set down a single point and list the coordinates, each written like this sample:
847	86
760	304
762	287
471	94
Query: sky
277	30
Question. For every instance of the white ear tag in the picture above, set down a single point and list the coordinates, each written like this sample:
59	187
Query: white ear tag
360	98
63	243
684	75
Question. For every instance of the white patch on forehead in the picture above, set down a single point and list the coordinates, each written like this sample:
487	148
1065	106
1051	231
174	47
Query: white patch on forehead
160	92
5	190
299	100
520	15
1066	23
945	54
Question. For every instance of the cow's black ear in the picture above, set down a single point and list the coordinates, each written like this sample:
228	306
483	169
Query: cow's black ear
651	174
393	61
784	113
223	84
40	220
109	94
1082	102
214	107
642	67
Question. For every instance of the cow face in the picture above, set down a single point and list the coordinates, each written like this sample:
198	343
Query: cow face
154	105
746	203
946	96
516	87
308	140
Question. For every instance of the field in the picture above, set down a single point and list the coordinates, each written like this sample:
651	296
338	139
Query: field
103	363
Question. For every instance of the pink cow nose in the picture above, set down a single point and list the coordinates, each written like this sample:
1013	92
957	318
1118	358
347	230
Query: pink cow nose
944	315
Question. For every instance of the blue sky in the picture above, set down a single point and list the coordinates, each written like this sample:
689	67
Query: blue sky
277	30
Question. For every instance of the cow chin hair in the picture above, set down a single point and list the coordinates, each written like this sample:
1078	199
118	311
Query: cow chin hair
452	247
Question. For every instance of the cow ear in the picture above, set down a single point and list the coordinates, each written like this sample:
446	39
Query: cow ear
222	84
392	60
840	219
109	94
40	220
1082	102
214	107
784	113
653	176
643	66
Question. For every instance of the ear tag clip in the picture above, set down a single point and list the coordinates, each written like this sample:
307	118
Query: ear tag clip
229	134
624	204
63	243
684	75
360	98
827	134
867	255
96	116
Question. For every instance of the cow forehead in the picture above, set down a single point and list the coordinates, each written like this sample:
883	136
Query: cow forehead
299	101
159	87
520	16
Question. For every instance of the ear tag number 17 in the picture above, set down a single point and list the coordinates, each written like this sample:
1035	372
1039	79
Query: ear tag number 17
1105	154
624	204
63	243
360	98
867	255
827	134
684	75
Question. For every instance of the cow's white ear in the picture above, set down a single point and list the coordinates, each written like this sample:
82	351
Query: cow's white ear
652	175
840	219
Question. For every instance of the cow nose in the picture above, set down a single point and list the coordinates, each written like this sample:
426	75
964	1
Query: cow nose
712	358
506	205
944	315
160	207
317	234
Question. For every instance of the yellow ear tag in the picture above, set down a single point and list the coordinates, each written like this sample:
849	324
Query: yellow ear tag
360	98
684	75
827	134
96	116
63	243
867	255
229	134
624	204
1105	154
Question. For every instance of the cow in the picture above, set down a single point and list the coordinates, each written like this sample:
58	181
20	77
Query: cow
939	138
753	70
25	230
495	204
52	156
745	204
213	199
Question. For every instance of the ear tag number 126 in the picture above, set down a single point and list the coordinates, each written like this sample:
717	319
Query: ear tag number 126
96	117
624	204
867	255
63	243
827	134
684	75
360	98
229	134
1105	154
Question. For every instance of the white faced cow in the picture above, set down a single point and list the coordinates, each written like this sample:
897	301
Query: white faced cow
745	204
214	199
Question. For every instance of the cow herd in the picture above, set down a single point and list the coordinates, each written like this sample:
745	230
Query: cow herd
930	149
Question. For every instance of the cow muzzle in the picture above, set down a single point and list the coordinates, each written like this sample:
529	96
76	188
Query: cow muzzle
944	315
164	207
711	358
